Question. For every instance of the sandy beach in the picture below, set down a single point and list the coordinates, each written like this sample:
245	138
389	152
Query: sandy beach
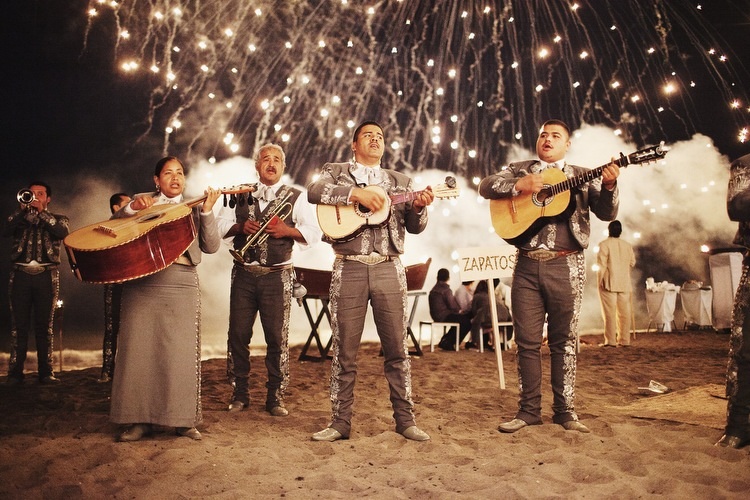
57	442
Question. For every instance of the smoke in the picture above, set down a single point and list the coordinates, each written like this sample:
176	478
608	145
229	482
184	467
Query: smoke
668	210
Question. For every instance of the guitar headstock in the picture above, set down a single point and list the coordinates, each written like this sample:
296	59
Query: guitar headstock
645	155
233	191
446	190
240	188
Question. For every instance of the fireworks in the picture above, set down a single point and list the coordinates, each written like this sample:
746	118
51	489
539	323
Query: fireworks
454	83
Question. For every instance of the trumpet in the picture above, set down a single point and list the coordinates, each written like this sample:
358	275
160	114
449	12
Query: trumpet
282	210
25	197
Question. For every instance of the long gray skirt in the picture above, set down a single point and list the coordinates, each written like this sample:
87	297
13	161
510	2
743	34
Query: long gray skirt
157	368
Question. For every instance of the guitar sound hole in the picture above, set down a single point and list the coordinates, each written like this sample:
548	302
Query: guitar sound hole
543	197
149	217
362	210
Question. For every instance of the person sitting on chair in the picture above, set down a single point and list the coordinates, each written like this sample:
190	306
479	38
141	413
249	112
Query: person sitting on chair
445	309
481	318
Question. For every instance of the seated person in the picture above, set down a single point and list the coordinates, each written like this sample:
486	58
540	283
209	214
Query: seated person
463	295
444	308
481	317
502	293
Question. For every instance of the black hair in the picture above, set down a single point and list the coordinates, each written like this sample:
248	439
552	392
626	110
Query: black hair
362	125
559	123
160	164
44	185
443	274
115	199
615	229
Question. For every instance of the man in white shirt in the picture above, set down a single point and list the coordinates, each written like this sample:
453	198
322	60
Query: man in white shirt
263	276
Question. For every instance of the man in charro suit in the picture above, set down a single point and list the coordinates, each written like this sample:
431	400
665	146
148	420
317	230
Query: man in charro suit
34	285
737	429
550	275
263	277
112	299
367	268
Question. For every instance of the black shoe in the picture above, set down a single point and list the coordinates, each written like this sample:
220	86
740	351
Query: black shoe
49	380
14	381
470	345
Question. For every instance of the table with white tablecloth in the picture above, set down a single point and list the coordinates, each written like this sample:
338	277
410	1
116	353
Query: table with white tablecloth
660	305
696	305
726	270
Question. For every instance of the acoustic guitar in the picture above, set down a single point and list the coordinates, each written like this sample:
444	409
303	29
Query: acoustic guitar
119	250
344	222
518	218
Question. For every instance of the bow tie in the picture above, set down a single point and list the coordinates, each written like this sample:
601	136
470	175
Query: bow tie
165	200
369	174
265	193
543	166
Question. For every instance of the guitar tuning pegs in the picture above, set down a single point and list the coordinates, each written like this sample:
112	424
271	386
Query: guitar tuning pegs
225	200
232	201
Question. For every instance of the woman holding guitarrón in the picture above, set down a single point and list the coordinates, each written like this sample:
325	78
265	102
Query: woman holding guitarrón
157	371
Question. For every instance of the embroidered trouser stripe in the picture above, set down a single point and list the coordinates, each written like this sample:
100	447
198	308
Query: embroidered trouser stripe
353	286
550	290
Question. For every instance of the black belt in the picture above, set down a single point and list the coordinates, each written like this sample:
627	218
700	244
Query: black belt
543	255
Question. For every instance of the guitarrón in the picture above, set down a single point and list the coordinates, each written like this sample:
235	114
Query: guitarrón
118	250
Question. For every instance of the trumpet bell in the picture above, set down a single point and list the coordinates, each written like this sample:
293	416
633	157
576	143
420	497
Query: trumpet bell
25	196
239	256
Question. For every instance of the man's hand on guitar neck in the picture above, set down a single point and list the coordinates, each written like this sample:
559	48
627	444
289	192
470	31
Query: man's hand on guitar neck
610	173
425	198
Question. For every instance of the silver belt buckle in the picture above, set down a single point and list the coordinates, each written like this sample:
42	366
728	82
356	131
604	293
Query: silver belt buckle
32	270
542	255
369	260
257	270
